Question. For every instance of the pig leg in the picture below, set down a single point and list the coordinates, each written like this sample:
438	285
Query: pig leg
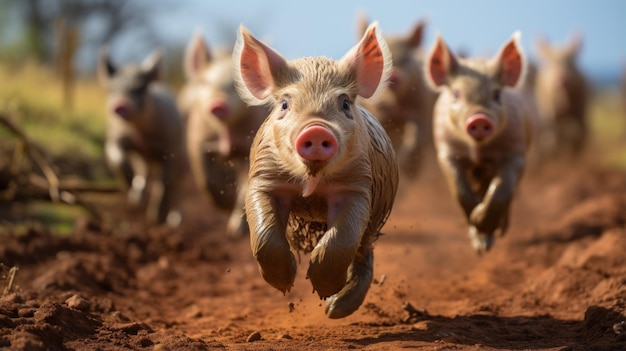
267	217
360	274
411	153
129	168
237	224
162	194
492	213
220	179
456	177
333	254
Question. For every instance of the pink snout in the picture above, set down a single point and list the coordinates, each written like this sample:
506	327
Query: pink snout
479	126
316	143
395	79
123	110
220	109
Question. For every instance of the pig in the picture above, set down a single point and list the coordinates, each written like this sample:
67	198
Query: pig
220	129
482	130
323	173
143	146
405	108
562	97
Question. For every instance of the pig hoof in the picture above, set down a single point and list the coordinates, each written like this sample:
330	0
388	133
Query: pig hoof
348	300
481	242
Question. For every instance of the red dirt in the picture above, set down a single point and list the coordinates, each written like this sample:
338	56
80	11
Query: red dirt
556	281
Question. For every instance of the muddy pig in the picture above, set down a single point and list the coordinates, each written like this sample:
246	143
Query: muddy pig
323	173
562	96
405	107
143	145
482	130
220	129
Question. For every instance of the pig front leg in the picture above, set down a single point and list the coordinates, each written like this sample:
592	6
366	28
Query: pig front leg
129	168
267	219
360	275
456	177
347	220
237	224
164	193
492	213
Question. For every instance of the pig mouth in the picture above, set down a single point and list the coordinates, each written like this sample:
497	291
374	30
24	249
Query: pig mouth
314	167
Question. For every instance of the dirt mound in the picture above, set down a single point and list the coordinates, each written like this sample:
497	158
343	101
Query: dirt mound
555	281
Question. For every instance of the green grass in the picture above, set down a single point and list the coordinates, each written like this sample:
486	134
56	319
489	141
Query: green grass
32	97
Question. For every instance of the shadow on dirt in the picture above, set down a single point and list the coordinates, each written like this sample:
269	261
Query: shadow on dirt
594	332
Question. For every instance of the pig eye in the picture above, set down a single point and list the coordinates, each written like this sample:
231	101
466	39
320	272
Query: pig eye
345	105
284	105
496	96
456	95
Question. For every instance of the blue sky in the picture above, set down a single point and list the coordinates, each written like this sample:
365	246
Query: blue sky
328	27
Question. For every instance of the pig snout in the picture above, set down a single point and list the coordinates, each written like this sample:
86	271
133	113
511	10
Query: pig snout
394	80
316	143
479	126
122	110
220	109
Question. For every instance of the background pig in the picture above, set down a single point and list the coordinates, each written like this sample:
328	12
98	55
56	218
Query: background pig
144	135
220	129
482	130
405	107
323	173
562	96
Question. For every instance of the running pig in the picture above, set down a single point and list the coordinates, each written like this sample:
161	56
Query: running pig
482	129
405	107
144	136
220	129
562	98
323	173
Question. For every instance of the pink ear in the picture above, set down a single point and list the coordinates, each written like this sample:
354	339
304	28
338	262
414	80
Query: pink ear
511	62
256	66
372	61
197	55
441	63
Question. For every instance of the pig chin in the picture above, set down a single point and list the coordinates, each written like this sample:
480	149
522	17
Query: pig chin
314	167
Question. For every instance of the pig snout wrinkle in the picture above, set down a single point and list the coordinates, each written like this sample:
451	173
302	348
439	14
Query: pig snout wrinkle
479	126
316	143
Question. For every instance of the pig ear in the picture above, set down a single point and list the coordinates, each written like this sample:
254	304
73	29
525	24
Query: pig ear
106	68
441	63
371	61
542	47
510	62
256	65
574	45
152	63
362	22
416	36
197	56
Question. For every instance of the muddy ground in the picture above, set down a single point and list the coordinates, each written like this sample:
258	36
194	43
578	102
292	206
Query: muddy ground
556	281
